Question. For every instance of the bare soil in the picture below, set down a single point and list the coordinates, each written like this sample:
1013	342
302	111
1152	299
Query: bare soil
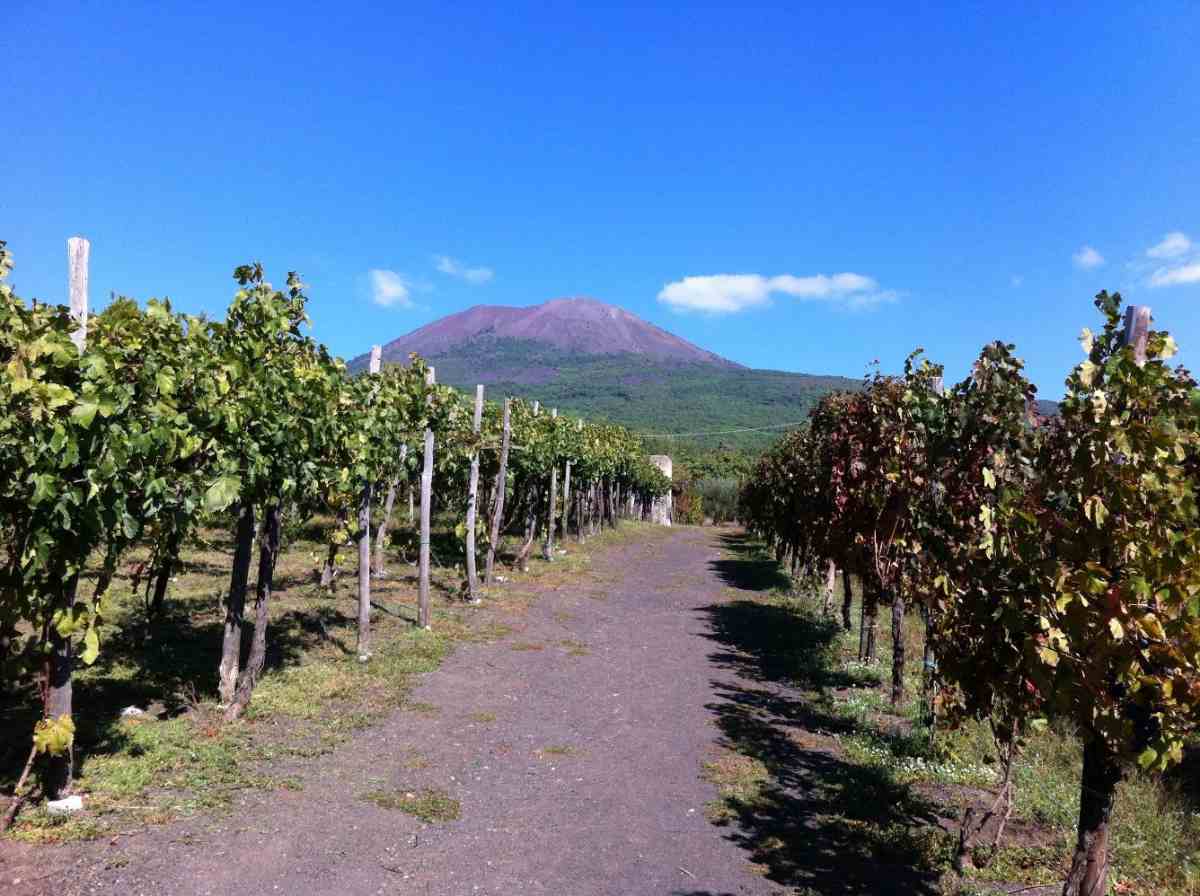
569	754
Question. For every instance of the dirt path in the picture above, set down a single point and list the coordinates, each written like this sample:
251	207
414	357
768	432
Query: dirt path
574	747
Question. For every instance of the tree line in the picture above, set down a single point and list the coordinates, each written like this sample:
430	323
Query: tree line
1055	560
138	426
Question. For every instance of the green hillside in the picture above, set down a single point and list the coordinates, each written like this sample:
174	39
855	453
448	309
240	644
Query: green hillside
652	397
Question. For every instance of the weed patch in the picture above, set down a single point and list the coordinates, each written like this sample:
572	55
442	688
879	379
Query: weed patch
430	805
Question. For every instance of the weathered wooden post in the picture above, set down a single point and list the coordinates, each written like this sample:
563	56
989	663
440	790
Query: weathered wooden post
472	500
830	586
423	611
498	503
78	253
548	549
60	667
587	496
364	545
567	497
386	522
566	501
531	521
381	530
847	600
1137	331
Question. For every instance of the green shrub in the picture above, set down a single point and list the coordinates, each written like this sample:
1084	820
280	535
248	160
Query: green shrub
719	498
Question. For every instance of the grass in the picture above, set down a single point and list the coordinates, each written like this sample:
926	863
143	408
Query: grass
153	771
573	647
430	805
559	751
313	697
827	767
741	781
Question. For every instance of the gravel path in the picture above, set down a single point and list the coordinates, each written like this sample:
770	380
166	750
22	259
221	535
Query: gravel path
574	746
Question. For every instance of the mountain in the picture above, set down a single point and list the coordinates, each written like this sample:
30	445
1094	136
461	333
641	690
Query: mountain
591	358
573	326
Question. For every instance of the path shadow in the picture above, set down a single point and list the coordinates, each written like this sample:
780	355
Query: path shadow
749	569
774	643
817	822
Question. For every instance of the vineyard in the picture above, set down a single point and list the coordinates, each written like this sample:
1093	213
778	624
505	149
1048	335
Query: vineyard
224	554
136	439
1054	563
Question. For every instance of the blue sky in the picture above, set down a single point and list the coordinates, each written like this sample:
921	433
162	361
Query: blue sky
801	189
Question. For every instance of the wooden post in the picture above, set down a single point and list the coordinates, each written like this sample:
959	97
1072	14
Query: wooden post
364	548
898	658
385	523
1137	330
566	501
472	499
60	664
566	520
847	599
389	502
78	253
501	481
548	550
580	509
423	612
830	586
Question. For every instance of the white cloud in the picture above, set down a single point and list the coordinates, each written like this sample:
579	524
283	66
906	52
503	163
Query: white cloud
1188	273
1087	258
730	293
1172	245
717	294
389	289
455	268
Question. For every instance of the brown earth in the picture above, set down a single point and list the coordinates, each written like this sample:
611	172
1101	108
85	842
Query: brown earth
574	748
